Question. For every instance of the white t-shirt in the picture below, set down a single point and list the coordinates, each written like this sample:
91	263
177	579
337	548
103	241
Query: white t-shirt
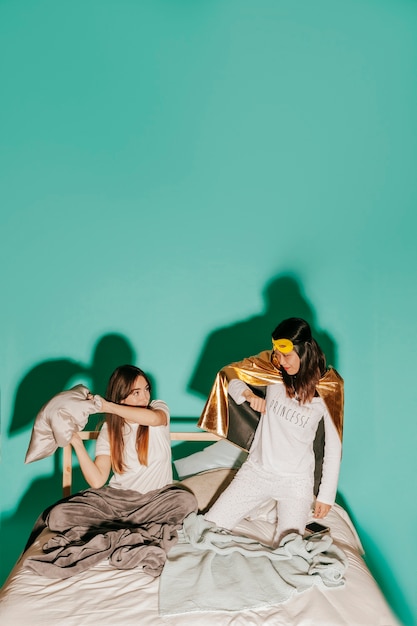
283	442
142	478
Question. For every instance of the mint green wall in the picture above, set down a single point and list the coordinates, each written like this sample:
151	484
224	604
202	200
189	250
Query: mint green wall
177	176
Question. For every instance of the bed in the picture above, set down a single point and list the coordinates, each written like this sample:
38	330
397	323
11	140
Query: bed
110	597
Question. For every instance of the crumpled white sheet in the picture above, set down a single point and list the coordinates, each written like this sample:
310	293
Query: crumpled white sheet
213	570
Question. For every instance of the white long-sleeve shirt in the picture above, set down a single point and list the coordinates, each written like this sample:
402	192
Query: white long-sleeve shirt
283	442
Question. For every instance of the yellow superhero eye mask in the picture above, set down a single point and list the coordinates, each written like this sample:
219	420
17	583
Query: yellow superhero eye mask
283	345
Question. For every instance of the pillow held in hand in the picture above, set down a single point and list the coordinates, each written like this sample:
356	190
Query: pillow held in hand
65	414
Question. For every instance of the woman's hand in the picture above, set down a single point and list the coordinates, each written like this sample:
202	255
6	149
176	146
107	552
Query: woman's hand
103	404
321	509
76	441
256	403
99	402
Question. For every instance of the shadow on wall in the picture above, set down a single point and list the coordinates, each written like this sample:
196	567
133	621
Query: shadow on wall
38	386
283	298
47	379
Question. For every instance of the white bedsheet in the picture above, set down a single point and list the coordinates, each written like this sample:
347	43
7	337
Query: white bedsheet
110	597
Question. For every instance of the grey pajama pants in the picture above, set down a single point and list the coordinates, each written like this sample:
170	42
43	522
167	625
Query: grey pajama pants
251	487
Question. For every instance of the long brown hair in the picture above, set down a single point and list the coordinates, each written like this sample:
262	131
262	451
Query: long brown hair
118	389
312	359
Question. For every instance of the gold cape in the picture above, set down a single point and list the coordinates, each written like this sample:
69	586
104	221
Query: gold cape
259	370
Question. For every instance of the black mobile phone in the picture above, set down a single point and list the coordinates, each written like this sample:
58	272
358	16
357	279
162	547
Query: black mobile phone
314	528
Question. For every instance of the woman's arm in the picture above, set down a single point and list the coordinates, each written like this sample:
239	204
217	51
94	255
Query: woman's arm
95	472
135	414
240	392
330	470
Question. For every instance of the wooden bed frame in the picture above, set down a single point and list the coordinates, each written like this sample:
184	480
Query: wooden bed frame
93	434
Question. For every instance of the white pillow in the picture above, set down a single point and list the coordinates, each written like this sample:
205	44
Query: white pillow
219	454
65	414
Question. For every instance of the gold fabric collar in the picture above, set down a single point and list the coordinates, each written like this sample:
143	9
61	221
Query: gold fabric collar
259	370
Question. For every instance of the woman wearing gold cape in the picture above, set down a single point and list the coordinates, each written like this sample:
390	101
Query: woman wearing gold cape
286	408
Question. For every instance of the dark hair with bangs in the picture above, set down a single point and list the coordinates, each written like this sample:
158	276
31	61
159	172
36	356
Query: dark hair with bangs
312	359
118	389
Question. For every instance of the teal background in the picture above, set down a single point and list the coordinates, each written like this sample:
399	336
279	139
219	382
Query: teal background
178	176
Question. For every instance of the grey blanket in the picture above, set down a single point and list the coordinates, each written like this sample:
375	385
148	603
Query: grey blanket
129	528
236	573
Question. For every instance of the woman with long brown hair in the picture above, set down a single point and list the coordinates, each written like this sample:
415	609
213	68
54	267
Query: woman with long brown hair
300	394
134	441
132	521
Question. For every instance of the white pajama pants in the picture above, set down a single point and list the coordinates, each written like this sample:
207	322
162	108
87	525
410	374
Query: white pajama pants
252	486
